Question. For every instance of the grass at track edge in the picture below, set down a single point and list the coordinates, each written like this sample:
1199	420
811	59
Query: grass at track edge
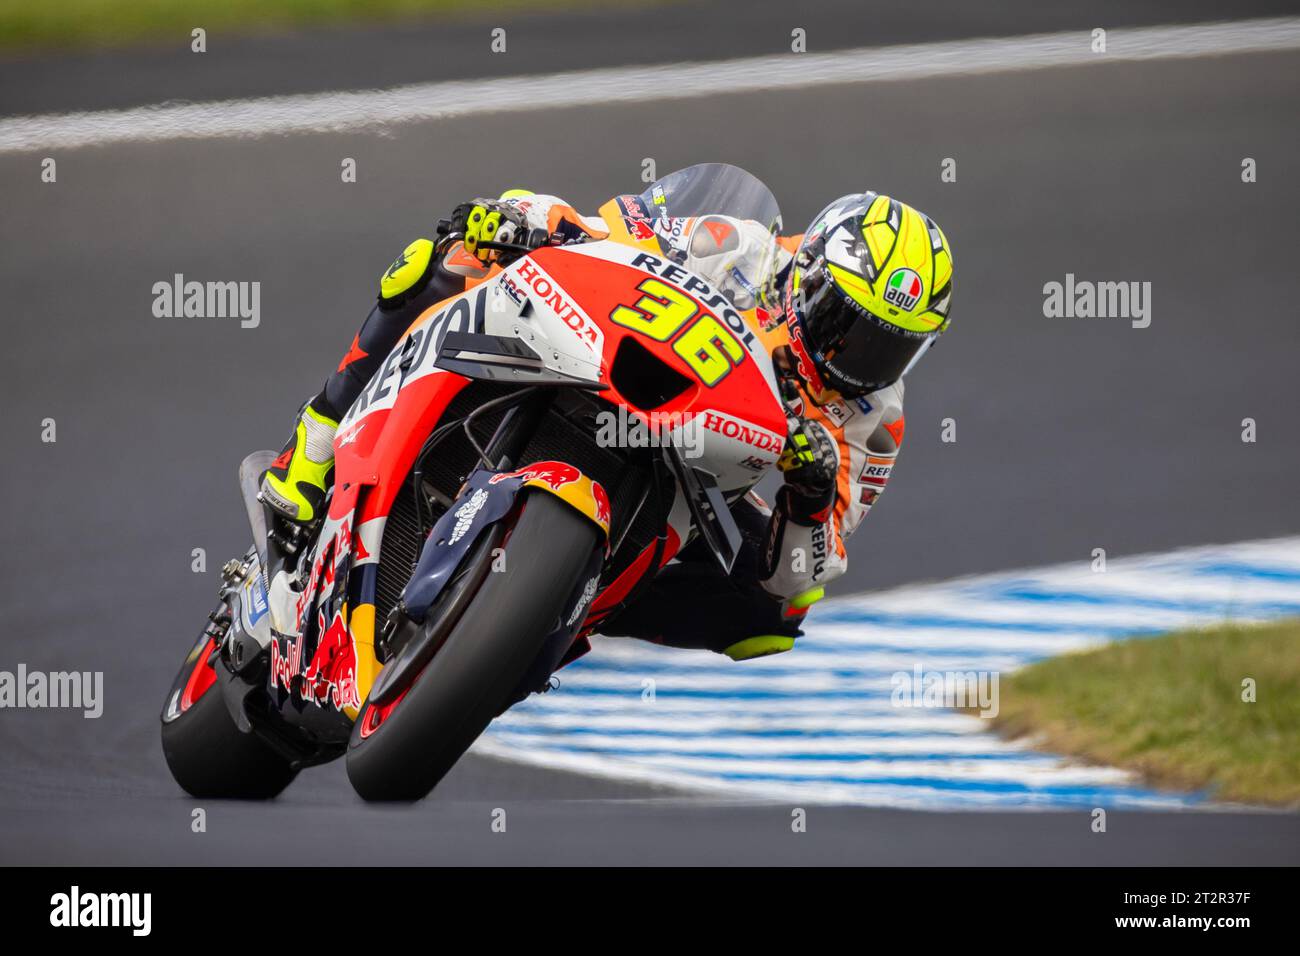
1174	708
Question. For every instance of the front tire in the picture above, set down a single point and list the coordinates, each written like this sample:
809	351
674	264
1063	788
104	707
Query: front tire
207	754
401	751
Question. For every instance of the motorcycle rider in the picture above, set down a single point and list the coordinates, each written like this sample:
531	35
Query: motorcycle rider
846	310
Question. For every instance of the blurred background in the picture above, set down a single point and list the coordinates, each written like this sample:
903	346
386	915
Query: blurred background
1071	434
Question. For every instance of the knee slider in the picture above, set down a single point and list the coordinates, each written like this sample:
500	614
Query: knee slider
798	605
760	646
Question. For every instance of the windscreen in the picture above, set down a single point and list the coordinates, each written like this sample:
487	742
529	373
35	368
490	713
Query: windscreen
743	269
713	188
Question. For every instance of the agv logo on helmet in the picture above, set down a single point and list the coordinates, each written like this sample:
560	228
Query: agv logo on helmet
903	289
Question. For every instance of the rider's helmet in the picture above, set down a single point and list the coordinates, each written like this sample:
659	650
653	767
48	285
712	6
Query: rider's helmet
868	292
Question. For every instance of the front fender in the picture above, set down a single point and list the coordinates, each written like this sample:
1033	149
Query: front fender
585	495
488	496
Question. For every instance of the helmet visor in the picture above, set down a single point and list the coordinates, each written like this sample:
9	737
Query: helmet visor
856	352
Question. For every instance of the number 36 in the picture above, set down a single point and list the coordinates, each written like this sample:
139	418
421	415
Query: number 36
707	346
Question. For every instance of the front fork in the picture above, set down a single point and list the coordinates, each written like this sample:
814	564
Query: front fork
462	547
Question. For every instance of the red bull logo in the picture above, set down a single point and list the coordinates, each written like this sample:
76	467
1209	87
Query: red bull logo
602	503
330	677
555	474
285	664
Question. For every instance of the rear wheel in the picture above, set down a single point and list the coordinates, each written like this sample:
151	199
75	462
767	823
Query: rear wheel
206	752
400	751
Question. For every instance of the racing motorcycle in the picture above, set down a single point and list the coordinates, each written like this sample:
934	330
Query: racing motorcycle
479	530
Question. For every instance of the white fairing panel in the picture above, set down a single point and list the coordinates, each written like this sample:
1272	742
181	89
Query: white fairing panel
526	303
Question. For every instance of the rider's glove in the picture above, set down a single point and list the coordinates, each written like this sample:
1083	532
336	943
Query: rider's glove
486	220
810	465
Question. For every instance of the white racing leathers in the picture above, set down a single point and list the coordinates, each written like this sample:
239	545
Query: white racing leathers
807	552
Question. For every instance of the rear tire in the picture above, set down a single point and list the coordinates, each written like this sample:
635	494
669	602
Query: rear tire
211	758
456	696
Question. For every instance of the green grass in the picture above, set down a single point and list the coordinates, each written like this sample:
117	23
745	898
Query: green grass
1171	709
53	24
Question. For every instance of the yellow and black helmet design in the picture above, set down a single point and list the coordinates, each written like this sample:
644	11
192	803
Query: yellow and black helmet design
869	291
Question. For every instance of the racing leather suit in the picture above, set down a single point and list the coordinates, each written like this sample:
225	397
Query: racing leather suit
787	555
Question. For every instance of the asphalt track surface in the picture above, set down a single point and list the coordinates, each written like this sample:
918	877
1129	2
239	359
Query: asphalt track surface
1071	433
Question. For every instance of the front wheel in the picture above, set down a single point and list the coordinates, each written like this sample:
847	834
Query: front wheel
400	751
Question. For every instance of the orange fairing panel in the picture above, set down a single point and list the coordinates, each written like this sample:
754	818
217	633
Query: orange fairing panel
621	230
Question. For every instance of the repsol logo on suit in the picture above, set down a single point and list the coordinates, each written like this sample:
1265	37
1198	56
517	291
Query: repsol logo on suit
819	551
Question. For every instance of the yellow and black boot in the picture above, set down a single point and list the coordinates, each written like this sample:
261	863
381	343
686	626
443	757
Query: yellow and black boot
297	481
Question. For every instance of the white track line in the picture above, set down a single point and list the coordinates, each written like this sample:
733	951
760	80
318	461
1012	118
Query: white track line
821	724
341	111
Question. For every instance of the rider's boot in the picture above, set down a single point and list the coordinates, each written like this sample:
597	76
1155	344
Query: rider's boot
296	483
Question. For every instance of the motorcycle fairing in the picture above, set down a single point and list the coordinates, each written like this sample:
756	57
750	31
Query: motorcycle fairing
324	649
323	654
501	358
741	435
644	260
